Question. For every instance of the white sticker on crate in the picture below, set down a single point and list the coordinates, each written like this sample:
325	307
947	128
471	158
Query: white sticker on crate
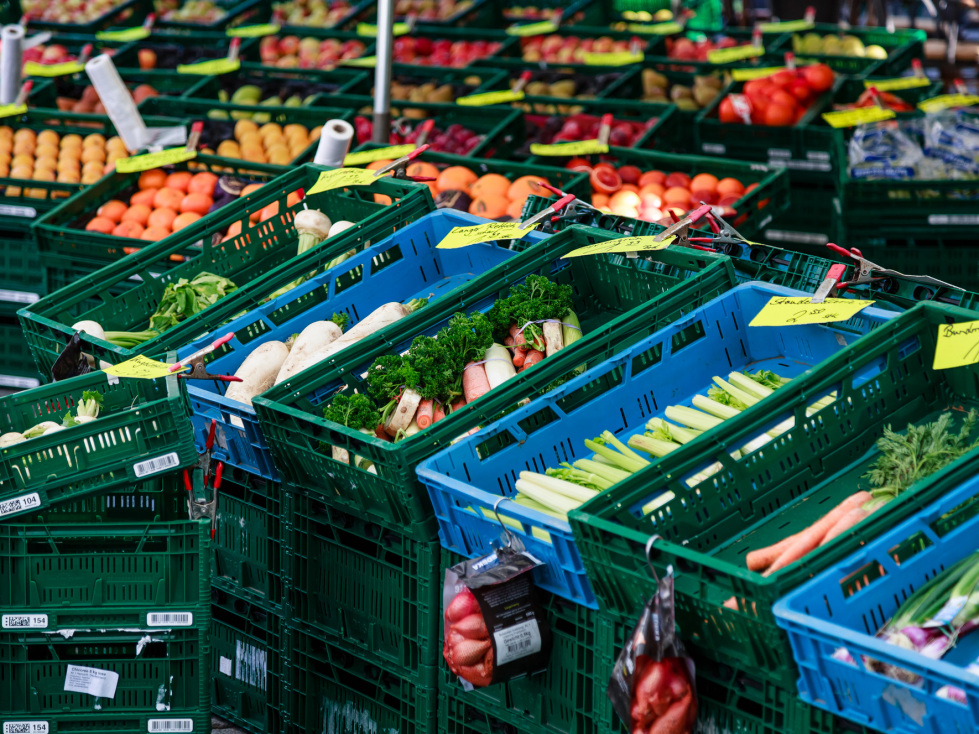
165	725
24	621
21	382
94	681
959	219
518	641
154	466
250	664
806	238
26	727
169	619
20	504
18	211
19	296
224	665
713	148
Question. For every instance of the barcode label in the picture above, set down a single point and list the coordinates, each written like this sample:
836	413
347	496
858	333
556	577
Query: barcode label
20	504
169	619
954	219
153	466
517	641
170	725
24	621
19	296
18	211
25	727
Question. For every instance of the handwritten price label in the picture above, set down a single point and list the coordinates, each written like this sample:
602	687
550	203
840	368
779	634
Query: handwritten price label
789	26
893	85
531	29
154	160
466	236
744	75
210	68
140	368
32	68
793	311
945	101
583	147
378	154
343	177
957	346
366	29
488	98
862	116
656	29
738	53
126	34
12	110
367	62
626	244
617	58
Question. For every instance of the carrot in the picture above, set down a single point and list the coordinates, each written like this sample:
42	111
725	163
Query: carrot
759	560
851	518
513	330
438	412
519	341
518	358
508	342
457	405
475	383
809	539
425	414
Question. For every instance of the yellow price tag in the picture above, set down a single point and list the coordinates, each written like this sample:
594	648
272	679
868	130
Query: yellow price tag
253	31
737	53
367	62
140	368
343	177
656	29
378	154
488	98
210	68
466	236
32	68
892	85
617	58
789	26
366	29
957	346
154	160
860	116
744	75
126	34
582	147
945	101
531	29
12	110
626	244
792	311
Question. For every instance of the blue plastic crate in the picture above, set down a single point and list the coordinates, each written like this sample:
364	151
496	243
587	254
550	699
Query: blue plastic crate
401	267
466	480
844	606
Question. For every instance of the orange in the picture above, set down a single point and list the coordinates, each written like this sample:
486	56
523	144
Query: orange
456	178
162	218
623	202
489	208
169	198
490	186
599	200
729	186
629	187
128	229
154	234
294	197
269	211
652	177
101	224
112	210
203	183
179	180
515	209
528	186
375	165
676	196
653	188
233	231
139	213
144	196
199	203
703	182
420	168
185	219
155	179
250	188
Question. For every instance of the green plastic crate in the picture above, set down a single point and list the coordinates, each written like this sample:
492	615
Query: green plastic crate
952	261
617	298
21	276
236	13
155	670
125	13
277	82
462	81
17	369
260	260
173	49
706	15
608	82
58	574
160	499
479	15
247	666
380	595
580	12
511	54
331	691
811	223
143	428
883	378
902	45
249	533
288	27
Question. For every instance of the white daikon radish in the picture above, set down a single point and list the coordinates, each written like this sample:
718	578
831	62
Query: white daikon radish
257	373
498	365
9	439
403	415
314	337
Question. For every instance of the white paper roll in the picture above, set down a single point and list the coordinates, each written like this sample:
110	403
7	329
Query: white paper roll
118	102
11	51
334	143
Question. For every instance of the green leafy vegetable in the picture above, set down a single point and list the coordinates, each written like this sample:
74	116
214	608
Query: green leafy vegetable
69	420
355	411
725	398
341	319
387	378
536	299
90	404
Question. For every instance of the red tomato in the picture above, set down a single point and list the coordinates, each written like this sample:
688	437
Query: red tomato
756	89
784	99
777	115
800	90
782	78
726	111
758	112
819	77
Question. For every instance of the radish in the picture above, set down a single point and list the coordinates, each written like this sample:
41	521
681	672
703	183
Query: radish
498	366
403	415
257	373
553	337
316	336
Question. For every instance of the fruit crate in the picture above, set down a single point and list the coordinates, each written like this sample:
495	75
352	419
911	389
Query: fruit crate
612	300
161	498
512	52
398	267
68	251
256	260
793	480
64	574
951	261
665	58
236	13
142	429
17	370
902	47
21	276
172	49
313	87
843	607
475	14
452	81
599	82
706	16
467	480
125	13
247	666
370	590
287	26
810	227
331	691
249	531
158	681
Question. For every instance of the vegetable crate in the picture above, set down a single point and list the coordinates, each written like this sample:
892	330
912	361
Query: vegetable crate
249	530
370	590
397	267
467	480
142	429
126	681
883	378
813	222
256	260
843	608
21	277
952	261
247	666
17	370
62	573
291	413
902	46
331	691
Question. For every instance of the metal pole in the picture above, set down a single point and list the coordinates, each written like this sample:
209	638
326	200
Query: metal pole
382	71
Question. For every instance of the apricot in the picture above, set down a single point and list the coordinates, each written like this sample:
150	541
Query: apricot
139	213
